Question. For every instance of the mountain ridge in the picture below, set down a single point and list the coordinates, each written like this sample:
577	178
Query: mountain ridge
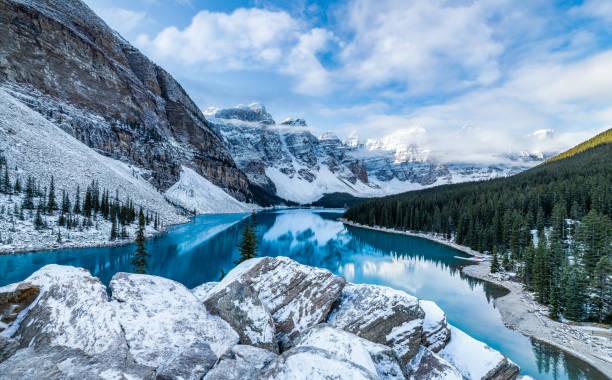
289	161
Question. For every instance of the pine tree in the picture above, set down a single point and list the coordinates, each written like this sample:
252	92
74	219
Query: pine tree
602	286
7	181
17	186
38	221
77	201
139	258
495	267
541	270
113	233
554	309
51	203
575	289
248	243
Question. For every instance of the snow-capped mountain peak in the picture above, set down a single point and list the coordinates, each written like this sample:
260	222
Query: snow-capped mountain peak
294	122
254	113
294	164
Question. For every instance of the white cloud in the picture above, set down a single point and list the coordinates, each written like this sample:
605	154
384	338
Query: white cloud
421	44
601	9
244	39
546	108
302	62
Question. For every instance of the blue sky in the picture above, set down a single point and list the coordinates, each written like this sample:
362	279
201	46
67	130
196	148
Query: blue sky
465	79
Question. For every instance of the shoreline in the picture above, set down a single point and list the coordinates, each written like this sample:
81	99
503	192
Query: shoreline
108	243
520	312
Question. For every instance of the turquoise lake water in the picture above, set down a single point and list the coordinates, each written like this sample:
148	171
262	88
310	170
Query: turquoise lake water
196	252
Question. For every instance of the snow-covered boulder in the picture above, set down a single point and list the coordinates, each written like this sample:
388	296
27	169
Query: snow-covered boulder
476	360
191	363
161	317
436	332
426	365
8	347
381	315
241	362
72	310
342	344
297	296
388	365
55	362
14	299
201	291
311	363
237	304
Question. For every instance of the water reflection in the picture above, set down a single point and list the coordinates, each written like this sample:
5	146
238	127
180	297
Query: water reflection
195	253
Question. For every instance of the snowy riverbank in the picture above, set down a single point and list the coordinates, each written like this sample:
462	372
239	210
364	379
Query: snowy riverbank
521	312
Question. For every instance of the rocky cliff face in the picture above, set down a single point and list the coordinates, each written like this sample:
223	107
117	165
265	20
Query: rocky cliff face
286	159
270	318
63	61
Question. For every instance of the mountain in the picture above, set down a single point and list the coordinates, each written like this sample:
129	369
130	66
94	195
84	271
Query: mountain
286	159
64	63
602	138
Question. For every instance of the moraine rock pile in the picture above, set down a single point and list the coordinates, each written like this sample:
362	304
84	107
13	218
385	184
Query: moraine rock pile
270	318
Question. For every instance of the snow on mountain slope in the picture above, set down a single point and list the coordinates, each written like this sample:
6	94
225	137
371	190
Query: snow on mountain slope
38	148
286	159
194	192
67	64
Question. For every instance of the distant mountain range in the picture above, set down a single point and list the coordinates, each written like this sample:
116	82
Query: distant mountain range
288	160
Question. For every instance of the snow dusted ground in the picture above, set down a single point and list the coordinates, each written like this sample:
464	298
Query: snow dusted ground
20	235
472	357
194	192
38	148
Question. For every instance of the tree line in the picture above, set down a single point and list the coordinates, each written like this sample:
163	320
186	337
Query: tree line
550	224
42	203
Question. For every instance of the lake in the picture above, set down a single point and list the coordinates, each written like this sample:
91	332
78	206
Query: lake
196	252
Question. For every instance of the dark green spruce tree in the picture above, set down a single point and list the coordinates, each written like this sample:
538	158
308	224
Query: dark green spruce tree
248	242
140	256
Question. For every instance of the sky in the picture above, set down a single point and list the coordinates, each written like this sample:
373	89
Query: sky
465	79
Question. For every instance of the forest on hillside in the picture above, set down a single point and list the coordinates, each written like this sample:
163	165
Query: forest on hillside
550	224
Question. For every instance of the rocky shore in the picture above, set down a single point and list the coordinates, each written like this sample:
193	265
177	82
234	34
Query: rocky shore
270	318
521	312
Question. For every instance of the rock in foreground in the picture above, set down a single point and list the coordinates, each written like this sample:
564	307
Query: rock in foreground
381	315
297	296
60	324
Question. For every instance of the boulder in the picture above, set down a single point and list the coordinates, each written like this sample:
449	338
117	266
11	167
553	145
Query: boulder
341	344
237	304
475	360
202	290
426	365
312	363
436	332
297	296
191	363
8	347
388	365
381	315
241	362
161	317
14	299
55	362
73	311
